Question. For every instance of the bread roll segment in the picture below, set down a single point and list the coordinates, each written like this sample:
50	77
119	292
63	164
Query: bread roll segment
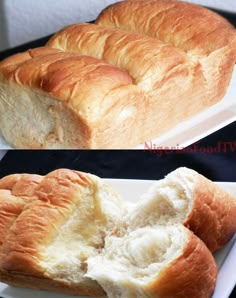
186	197
50	240
167	261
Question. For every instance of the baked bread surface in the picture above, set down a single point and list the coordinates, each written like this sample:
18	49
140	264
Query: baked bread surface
203	35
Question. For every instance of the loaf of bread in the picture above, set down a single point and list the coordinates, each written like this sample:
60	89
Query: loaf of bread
70	232
143	68
50	225
186	197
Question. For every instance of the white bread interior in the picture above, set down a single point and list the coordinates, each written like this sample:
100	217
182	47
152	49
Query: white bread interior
167	201
134	266
82	236
184	196
136	258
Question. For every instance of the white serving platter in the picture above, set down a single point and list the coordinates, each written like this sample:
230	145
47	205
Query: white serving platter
192	130
131	191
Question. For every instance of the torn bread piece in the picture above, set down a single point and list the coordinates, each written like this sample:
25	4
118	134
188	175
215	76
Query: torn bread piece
184	196
64	221
161	261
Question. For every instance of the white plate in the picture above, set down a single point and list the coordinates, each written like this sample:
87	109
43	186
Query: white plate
194	129
131	190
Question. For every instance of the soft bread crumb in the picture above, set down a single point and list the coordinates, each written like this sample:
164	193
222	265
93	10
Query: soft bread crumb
130	262
167	201
82	235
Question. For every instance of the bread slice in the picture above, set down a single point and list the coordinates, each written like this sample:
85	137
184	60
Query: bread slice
187	197
164	261
47	239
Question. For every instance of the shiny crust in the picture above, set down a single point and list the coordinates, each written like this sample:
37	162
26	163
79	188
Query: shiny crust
195	266
205	36
37	207
62	75
187	26
15	192
213	215
155	61
72	101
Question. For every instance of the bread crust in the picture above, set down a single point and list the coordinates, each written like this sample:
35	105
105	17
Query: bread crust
184	25
68	101
205	36
213	215
156	60
193	274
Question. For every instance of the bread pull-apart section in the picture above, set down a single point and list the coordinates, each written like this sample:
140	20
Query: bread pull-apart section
165	261
186	197
205	36
56	99
47	241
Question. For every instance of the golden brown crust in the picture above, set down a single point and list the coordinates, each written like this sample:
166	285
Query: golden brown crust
185	25
213	215
193	274
15	191
72	101
66	76
205	36
155	61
